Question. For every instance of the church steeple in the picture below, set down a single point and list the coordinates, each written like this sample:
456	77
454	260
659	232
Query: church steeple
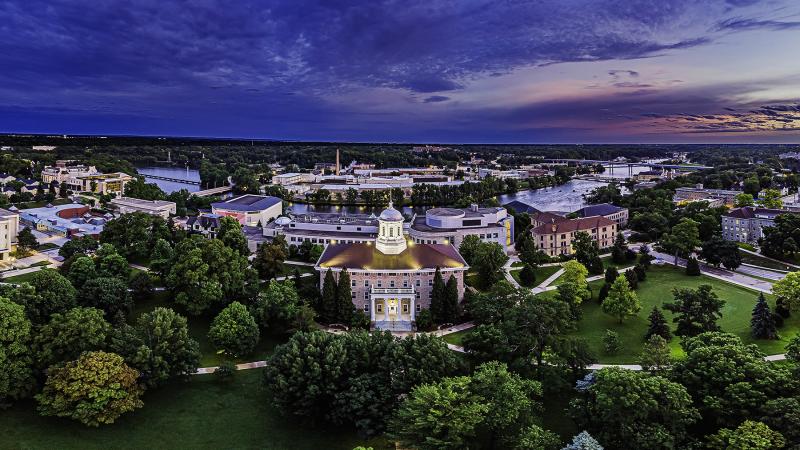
391	240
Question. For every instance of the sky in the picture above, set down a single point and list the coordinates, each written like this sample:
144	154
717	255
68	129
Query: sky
449	71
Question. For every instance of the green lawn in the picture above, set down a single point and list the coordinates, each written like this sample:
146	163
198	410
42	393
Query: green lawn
542	273
24	278
761	261
455	338
46	246
198	329
655	291
198	414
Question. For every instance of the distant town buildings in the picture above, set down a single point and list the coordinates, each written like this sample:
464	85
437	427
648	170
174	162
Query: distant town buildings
250	210
452	225
62	172
747	224
687	194
391	278
206	224
554	234
161	208
72	219
82	178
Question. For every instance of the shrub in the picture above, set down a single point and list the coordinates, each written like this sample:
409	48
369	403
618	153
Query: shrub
692	267
527	276
225	372
611	342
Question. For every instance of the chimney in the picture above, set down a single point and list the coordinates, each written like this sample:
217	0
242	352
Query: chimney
337	162
473	207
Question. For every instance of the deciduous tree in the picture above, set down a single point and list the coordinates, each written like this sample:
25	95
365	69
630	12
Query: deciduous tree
621	301
234	330
16	374
696	310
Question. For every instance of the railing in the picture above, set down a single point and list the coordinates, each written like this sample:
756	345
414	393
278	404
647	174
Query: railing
392	290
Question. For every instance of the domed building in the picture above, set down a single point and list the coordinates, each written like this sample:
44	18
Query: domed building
391	278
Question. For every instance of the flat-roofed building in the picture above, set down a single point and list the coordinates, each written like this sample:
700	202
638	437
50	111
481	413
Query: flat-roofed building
324	228
161	208
607	210
286	179
555	238
452	225
251	210
391	277
686	194
101	183
62	172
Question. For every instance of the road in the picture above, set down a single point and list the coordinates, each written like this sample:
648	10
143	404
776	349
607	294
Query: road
732	277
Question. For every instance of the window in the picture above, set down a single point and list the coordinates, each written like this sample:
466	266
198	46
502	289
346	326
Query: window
366	295
405	308
379	308
418	283
352	283
405	283
419	307
366	307
366	283
430	282
380	284
391	283
338	228
353	295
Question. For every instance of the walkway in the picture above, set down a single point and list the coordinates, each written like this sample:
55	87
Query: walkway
720	274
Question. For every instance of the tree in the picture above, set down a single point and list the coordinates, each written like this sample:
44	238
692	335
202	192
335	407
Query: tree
534	437
109	263
527	276
95	389
134	234
53	293
450	303
269	260
632	278
682	239
762	323
583	441
160	347
141	285
437	296
78	246
696	310
770	198
68	335
692	267
16	374
277	306
161	257
328	302
628	409
783	416
720	251
576	273
619	249
656	354
658	325
109	294
230	233
621	301
729	381
206	274
234	330
26	241
611	274
743	200
749	435
469	248
585	248
438	416
81	270
788	288
611	342
488	262
344	300
751	186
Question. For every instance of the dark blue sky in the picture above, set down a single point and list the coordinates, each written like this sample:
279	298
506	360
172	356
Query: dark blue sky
385	70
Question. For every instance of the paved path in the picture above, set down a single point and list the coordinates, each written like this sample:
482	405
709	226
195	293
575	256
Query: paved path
298	263
760	272
15	272
243	366
453	329
291	277
767	257
139	267
720	274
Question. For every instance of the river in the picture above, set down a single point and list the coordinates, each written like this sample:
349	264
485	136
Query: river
171	172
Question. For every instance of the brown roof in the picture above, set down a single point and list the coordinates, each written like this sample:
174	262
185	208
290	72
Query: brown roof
546	217
415	257
568	226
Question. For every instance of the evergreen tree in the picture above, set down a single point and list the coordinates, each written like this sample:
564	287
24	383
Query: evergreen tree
611	274
658	325
344	300
450	304
328	310
633	279
762	324
527	276
583	441
692	267
437	297
618	251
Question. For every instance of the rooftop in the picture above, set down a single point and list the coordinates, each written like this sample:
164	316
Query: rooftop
568	226
749	212
142	203
367	257
248	202
520	207
601	209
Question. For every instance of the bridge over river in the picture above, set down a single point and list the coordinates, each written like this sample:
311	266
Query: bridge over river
174	180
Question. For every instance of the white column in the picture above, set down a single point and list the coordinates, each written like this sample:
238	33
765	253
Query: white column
413	307
386	309
371	309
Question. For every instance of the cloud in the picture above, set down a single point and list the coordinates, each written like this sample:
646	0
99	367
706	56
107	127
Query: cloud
739	24
436	99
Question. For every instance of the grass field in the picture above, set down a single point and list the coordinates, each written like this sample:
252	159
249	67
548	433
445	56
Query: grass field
542	273
756	260
24	278
657	290
199	414
455	338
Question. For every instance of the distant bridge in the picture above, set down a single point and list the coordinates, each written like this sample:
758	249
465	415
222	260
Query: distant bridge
174	180
212	191
612	164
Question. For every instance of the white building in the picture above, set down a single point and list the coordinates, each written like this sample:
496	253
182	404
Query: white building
250	210
286	179
161	208
452	225
61	172
324	228
9	229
